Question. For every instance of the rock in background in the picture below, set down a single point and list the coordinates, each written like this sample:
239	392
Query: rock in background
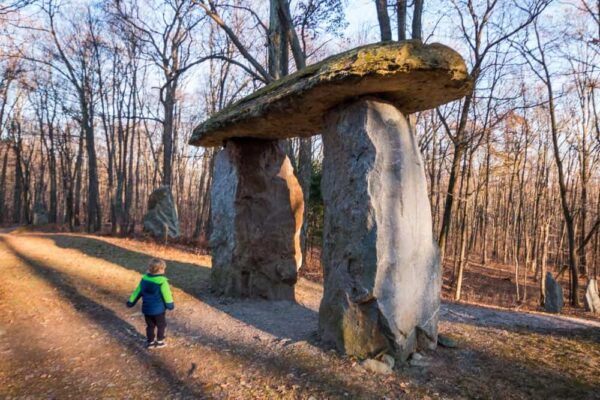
256	217
161	219
592	299
382	275
40	215
553	301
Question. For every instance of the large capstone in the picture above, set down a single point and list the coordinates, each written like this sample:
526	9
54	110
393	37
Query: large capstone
592	299
161	219
256	217
553	300
382	275
411	75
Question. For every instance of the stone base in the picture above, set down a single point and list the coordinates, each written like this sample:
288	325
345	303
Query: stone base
256	215
382	275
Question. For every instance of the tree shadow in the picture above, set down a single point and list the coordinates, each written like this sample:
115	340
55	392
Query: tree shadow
283	319
471	372
286	366
105	318
520	322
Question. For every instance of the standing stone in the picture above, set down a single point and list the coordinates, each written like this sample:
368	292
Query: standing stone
553	301
592	299
256	216
40	215
161	219
382	275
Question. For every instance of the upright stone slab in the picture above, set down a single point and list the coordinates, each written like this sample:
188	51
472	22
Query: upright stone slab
161	219
592	299
40	215
381	265
553	301
256	214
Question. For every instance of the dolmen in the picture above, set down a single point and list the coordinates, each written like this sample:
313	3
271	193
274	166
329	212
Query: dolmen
382	274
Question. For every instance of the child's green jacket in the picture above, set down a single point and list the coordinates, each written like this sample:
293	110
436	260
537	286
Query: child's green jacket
155	293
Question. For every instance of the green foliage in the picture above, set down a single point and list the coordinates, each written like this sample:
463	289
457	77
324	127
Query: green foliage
315	206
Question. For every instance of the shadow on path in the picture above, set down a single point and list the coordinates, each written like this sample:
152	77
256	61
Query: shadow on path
285	365
105	319
520	322
282	319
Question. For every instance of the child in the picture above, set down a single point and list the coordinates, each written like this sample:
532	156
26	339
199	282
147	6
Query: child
156	294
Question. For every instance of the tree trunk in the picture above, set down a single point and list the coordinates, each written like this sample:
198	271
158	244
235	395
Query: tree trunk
416	23
401	10
463	258
94	216
3	208
18	187
78	182
459	148
167	137
384	20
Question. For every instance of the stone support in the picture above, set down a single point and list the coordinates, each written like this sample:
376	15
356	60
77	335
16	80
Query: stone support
382	275
256	216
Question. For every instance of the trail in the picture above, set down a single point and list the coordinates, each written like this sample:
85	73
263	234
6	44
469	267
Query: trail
66	333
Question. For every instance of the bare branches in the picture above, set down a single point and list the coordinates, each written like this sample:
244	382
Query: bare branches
209	7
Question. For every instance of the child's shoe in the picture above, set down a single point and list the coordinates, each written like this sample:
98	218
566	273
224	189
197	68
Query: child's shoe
160	343
150	345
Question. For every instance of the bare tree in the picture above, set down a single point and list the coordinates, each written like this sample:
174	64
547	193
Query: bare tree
169	43
474	22
384	20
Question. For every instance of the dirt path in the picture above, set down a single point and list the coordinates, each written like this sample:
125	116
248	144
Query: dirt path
65	333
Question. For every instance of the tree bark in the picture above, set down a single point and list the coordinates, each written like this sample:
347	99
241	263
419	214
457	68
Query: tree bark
416	22
384	20
401	10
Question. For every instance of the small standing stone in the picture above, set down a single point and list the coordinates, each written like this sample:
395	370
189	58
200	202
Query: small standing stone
161	219
592	299
389	360
40	215
554	295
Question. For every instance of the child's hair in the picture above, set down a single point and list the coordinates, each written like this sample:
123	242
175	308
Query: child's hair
156	266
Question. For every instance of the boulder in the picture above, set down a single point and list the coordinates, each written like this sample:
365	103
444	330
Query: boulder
256	214
389	360
376	366
411	75
40	215
161	219
382	275
592	299
553	301
446	341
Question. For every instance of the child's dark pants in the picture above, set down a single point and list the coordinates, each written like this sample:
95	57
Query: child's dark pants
155	321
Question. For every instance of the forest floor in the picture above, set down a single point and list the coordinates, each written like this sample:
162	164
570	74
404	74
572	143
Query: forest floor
65	333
